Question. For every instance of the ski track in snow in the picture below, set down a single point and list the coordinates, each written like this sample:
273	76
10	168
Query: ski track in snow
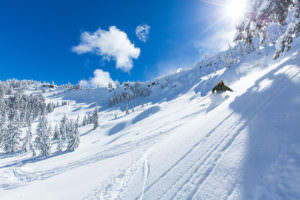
114	188
117	185
187	185
119	182
146	171
25	177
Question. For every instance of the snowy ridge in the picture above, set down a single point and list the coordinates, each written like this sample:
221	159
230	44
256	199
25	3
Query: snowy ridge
177	142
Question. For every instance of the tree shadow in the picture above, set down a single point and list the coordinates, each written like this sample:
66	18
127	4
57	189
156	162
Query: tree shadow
145	114
33	160
117	128
272	115
9	155
88	132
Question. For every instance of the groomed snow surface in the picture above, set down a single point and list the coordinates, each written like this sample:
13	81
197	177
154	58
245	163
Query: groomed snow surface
181	142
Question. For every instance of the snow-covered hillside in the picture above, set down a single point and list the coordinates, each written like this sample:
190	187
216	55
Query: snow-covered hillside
178	140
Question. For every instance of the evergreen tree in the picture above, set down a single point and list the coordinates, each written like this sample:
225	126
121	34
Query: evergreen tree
3	121
84	121
63	127
60	143
56	132
126	109
3	130
62	134
73	136
12	134
50	107
27	145
265	13
95	118
42	140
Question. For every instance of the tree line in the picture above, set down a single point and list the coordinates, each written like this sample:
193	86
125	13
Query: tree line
21	112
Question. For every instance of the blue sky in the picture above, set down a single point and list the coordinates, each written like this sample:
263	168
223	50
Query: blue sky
38	39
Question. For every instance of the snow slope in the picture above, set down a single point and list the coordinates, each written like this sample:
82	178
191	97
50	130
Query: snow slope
180	142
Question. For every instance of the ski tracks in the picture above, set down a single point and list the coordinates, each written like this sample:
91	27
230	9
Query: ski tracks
119	183
188	186
146	171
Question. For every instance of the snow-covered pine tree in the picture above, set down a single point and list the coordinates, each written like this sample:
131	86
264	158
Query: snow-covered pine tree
50	107
95	118
56	132
292	31
28	116
84	121
265	13
63	127
12	135
241	50
3	129
2	92
60	143
73	136
126	109
27	145
42	140
61	134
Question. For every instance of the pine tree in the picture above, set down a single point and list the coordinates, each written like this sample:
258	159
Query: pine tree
42	140
56	132
50	107
3	130
63	127
27	145
73	136
293	29
60	143
84	121
126	109
95	118
12	134
62	134
265	13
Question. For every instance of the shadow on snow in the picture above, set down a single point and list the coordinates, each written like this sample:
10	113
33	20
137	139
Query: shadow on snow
272	120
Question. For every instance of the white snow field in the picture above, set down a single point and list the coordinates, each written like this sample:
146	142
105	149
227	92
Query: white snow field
180	142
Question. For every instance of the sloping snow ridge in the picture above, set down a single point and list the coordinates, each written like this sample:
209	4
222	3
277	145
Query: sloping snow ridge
178	141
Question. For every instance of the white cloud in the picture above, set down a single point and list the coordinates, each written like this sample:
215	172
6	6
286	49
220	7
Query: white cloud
101	79
113	43
142	32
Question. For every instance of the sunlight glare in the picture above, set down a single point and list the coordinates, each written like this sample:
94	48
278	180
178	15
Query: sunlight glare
234	10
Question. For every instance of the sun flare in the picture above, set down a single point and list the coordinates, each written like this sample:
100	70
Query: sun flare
234	10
